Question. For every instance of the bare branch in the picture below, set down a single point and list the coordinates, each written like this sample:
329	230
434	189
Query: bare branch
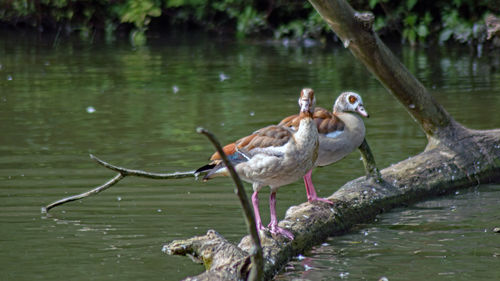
257	271
139	173
96	190
122	172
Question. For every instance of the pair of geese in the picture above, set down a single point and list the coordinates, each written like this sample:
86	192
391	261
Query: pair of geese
281	154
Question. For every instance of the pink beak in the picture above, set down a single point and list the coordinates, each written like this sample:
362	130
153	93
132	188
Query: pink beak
361	110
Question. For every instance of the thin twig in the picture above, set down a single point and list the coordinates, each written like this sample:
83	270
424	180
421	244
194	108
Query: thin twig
257	271
96	190
122	172
139	173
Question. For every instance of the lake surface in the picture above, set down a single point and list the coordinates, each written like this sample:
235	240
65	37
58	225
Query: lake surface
138	107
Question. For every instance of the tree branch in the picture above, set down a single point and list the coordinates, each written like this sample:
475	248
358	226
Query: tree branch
96	190
256	272
253	271
371	169
122	173
430	173
455	157
139	173
355	31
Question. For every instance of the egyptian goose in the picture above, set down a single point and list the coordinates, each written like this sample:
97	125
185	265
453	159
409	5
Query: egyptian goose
272	156
340	133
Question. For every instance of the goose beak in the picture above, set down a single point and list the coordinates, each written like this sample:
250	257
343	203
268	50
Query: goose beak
361	110
305	105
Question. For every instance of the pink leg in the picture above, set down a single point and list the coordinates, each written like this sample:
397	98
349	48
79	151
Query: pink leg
311	192
255	202
273	225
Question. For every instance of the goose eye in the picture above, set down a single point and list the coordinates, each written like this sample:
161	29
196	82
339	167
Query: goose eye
352	99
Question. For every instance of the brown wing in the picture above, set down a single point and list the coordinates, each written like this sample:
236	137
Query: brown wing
269	136
326	121
228	150
291	121
266	137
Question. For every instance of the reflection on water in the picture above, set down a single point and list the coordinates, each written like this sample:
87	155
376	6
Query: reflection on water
449	238
139	107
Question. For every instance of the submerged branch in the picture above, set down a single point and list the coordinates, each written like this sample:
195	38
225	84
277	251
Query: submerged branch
122	173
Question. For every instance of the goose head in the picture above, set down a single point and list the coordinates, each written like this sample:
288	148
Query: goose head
307	102
350	102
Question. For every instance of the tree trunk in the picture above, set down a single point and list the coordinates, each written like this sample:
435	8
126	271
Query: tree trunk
455	157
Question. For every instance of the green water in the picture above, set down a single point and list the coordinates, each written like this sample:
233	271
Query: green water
139	107
449	238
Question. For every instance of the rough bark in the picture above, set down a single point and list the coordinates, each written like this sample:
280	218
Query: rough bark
455	157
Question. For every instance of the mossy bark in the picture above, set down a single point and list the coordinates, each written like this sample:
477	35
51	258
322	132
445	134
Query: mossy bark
455	157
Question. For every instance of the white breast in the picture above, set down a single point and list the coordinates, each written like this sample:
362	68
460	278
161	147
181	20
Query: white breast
334	134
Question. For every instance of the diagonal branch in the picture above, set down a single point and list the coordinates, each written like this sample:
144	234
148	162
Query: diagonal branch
256	269
256	273
355	31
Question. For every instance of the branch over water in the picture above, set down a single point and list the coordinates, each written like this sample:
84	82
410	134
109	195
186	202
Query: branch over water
122	173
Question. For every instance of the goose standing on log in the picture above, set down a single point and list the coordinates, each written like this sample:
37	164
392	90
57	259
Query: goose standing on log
272	156
340	133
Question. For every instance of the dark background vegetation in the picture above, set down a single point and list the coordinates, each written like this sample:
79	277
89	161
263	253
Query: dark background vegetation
411	21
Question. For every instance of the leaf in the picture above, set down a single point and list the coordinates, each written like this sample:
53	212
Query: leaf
373	3
422	31
411	36
410	4
155	12
410	20
175	3
445	35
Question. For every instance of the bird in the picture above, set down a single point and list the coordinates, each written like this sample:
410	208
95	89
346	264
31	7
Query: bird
272	156
340	132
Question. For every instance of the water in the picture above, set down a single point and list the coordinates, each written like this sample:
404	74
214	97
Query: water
448	238
139	107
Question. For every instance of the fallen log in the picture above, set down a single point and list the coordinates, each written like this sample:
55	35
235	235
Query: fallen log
437	171
455	157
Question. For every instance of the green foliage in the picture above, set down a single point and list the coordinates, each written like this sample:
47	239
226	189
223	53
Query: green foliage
139	12
250	21
415	21
459	29
312	27
416	28
421	21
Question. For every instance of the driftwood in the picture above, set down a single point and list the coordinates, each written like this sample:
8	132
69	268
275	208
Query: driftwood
455	157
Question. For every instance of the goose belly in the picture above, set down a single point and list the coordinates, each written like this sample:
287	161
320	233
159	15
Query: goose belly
275	171
334	149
